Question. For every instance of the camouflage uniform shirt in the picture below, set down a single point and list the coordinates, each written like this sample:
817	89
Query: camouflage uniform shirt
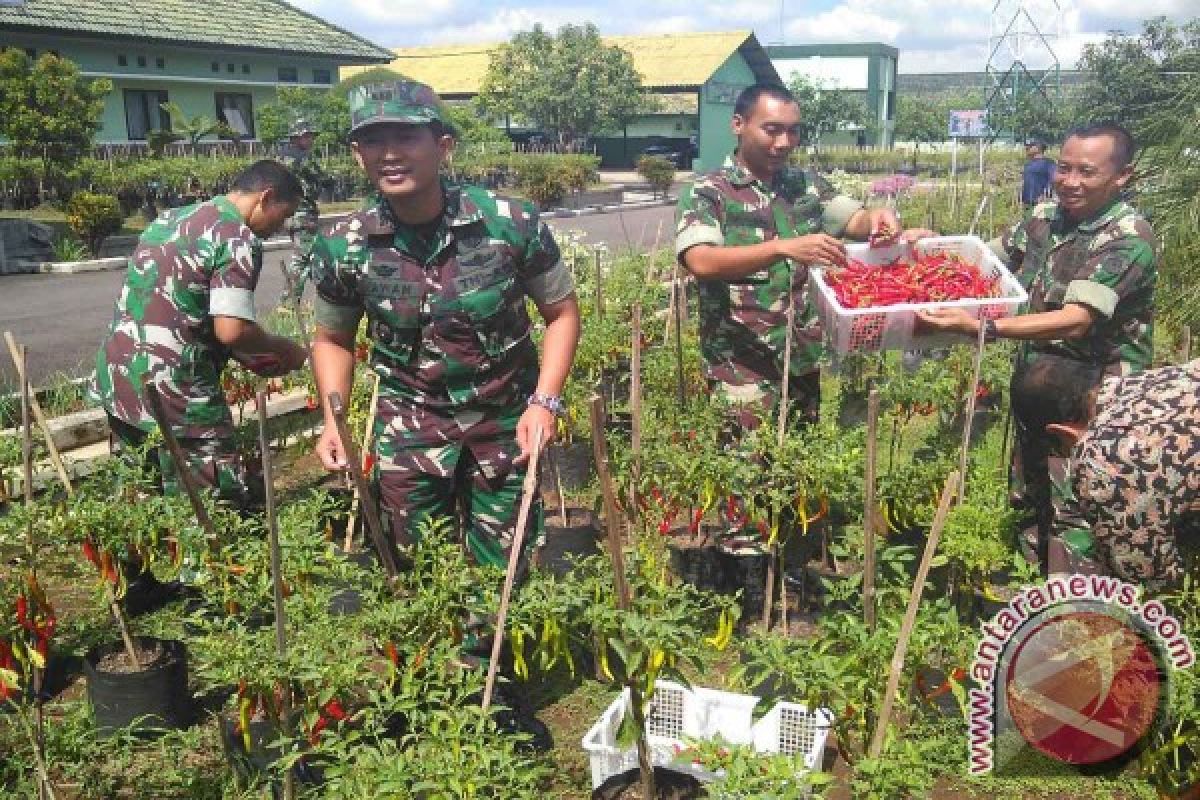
191	263
312	178
1108	263
743	323
447	318
1136	473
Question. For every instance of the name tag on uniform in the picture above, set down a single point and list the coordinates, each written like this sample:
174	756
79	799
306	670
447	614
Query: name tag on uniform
478	278
397	288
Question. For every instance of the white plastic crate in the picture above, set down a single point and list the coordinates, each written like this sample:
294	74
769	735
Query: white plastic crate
893	327
677	712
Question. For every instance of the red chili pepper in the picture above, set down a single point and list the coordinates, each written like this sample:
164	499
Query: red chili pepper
368	463
22	611
335	711
310	403
697	515
389	649
90	553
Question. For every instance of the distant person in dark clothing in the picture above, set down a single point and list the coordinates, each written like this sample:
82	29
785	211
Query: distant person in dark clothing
1038	173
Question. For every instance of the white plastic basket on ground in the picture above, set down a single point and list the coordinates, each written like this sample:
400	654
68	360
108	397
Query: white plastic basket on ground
677	713
893	327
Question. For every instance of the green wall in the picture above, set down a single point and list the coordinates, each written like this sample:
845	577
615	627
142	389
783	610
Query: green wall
716	111
187	74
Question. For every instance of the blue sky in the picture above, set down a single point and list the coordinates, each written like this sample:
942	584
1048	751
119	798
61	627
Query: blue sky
932	35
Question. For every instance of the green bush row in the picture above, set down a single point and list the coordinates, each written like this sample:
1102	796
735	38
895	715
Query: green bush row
887	161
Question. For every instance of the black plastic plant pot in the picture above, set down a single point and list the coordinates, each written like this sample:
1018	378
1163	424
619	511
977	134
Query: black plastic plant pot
576	539
154	698
574	463
700	565
748	572
671	785
255	763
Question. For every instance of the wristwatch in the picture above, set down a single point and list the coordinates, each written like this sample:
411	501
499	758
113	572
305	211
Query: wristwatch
551	402
990	334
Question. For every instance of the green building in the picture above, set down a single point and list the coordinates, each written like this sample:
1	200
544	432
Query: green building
222	59
866	71
695	76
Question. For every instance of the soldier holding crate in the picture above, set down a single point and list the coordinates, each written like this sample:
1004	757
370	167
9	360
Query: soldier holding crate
1089	262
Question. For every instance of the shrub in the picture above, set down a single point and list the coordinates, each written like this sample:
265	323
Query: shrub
93	218
658	172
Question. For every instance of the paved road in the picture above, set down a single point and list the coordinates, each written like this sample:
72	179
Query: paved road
61	318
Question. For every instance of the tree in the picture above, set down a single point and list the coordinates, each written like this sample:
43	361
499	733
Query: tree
191	128
47	109
921	120
570	83
1135	79
326	110
824	109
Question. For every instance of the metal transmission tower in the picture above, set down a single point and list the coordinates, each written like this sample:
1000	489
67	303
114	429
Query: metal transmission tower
1023	71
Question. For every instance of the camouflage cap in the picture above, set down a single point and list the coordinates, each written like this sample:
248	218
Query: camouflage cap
407	102
301	126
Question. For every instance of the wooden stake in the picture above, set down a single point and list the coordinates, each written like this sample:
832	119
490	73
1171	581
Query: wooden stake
635	402
264	445
968	423
154	406
599	283
370	513
612	521
781	434
910	615
870	510
368	437
680	290
1187	344
31	543
528	492
18	359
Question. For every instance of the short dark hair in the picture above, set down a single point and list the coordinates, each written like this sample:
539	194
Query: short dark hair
1053	390
269	174
748	97
1124	147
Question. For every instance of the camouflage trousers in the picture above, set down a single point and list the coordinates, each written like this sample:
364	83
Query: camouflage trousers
750	406
458	467
213	462
298	267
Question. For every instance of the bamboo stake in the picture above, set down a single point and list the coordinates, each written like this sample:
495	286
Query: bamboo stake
18	359
612	522
154	406
635	402
781	434
368	438
968	423
19	355
870	510
910	615
1187	344
679	290
370	513
264	445
529	491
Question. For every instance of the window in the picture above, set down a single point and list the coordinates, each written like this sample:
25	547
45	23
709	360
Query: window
141	61
236	111
160	62
322	76
122	60
216	66
245	69
289	75
231	67
143	113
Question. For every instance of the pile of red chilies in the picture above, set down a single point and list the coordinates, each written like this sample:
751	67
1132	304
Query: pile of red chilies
928	279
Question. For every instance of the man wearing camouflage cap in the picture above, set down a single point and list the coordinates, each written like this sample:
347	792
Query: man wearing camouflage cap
302	227
442	274
1089	261
186	308
748	232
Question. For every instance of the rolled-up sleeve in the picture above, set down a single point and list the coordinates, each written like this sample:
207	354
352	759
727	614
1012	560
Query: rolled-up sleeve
698	219
337	305
837	212
546	277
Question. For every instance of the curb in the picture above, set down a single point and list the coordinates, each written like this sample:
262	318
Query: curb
116	263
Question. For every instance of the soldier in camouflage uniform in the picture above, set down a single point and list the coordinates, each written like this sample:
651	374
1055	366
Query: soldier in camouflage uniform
1133	486
442	274
303	225
748	233
187	306
1089	262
